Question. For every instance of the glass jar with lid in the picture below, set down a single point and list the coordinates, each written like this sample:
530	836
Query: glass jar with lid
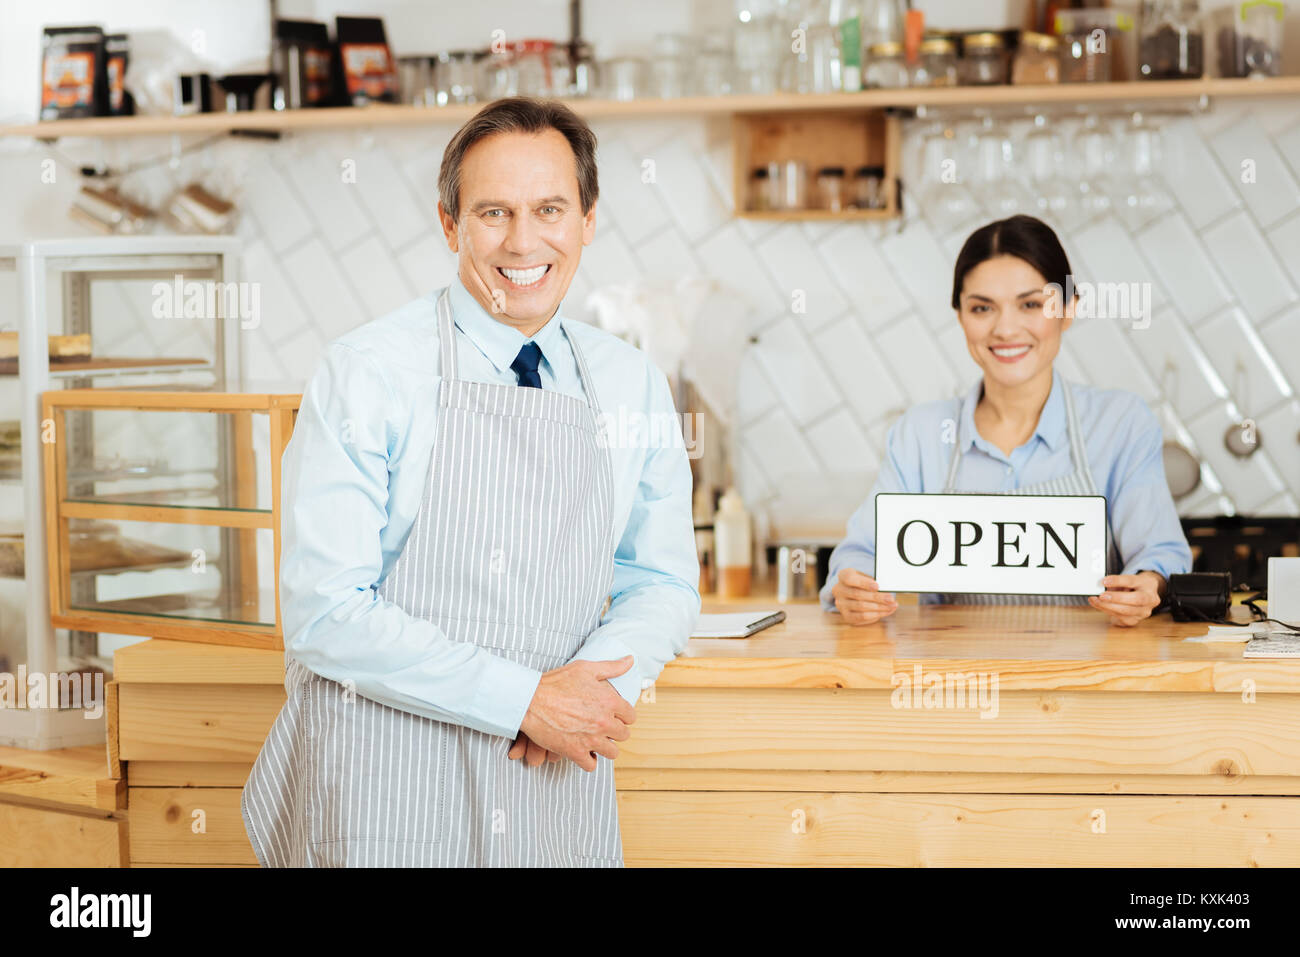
886	68
868	188
1037	59
984	59
1171	44
937	63
830	188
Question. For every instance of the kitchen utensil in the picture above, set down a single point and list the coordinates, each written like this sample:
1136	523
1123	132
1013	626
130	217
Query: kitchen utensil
1242	438
241	91
193	94
1182	469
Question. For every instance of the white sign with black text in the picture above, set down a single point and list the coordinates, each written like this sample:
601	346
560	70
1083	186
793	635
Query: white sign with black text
991	544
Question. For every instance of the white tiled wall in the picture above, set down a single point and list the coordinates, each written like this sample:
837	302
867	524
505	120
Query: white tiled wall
819	387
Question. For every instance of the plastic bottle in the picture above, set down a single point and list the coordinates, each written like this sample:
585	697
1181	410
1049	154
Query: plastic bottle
733	545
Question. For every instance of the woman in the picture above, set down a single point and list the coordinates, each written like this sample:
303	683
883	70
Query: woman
1024	430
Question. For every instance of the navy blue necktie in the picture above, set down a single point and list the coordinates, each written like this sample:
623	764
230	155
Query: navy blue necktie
525	365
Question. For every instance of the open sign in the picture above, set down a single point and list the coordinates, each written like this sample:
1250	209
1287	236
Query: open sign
991	544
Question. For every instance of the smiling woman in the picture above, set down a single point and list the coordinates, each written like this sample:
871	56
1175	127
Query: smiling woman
1023	430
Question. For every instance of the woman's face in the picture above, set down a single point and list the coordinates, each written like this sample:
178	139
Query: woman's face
1013	323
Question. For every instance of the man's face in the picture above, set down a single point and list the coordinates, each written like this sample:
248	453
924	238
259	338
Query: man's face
521	228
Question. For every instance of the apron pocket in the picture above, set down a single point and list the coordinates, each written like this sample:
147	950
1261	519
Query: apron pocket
374	773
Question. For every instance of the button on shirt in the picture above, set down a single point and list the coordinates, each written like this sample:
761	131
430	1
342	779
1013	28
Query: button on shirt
1124	447
354	476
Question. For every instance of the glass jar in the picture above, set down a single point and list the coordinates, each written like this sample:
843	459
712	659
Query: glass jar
623	78
984	60
670	66
1090	43
760	190
533	68
1037	59
886	69
830	188
937	65
758	44
415	77
789	184
714	69
500	77
454	76
1260	38
1172	42
868	191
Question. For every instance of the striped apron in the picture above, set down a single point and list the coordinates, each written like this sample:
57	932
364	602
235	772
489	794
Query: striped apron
512	550
1078	482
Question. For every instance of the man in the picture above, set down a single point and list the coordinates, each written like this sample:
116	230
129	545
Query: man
455	521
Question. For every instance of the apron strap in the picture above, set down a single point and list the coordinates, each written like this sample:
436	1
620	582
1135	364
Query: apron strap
1078	451
583	374
446	336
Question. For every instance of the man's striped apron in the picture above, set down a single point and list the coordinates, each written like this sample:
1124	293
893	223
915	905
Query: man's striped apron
1078	482
512	550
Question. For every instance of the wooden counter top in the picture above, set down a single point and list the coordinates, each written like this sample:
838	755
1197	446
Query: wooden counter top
1027	647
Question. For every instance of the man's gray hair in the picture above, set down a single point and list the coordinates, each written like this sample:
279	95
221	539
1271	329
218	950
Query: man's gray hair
520	114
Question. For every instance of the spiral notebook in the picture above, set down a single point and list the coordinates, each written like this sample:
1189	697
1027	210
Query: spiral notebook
736	624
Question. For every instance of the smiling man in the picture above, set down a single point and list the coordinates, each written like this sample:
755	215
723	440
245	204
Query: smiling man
475	581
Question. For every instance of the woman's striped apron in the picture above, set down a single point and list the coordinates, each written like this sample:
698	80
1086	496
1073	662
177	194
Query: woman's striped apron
1078	482
512	550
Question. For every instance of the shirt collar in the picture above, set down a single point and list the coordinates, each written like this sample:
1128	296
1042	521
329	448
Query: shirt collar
1052	427
495	339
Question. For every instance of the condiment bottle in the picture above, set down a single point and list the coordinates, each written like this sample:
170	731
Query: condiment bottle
733	545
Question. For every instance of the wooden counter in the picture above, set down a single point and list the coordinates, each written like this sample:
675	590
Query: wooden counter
1035	736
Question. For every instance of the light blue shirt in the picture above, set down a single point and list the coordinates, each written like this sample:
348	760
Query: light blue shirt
1124	447
354	475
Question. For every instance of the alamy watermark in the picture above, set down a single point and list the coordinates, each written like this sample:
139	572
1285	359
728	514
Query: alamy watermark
208	299
633	429
933	690
1129	301
84	690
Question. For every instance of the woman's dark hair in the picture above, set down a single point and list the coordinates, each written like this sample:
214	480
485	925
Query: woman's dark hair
1025	238
520	114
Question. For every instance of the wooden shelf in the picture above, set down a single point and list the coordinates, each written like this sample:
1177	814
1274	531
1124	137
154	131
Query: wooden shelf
802	215
89	366
383	115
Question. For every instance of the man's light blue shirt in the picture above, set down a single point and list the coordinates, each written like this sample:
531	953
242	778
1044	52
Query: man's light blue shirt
1124	443
354	476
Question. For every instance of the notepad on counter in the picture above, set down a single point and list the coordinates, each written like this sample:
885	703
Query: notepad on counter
736	624
1224	633
1279	644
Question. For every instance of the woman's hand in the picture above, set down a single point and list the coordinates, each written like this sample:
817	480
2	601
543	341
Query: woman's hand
1129	598
859	599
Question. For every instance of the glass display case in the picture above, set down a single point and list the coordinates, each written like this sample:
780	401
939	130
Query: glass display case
169	525
79	314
